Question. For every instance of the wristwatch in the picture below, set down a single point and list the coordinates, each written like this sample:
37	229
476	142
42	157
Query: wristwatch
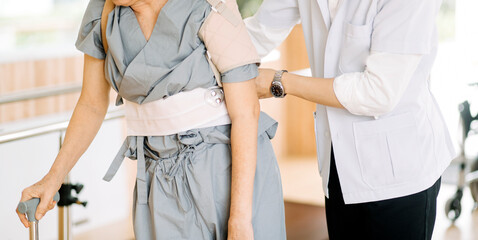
277	89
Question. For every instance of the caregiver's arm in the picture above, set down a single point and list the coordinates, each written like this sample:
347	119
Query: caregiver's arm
272	23
373	92
243	107
84	124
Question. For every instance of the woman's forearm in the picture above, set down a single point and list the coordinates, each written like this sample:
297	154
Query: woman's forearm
318	90
83	127
86	119
243	107
244	154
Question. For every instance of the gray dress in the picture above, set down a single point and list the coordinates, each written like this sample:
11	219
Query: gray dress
183	180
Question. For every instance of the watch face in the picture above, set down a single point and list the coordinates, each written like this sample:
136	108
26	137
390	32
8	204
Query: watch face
277	90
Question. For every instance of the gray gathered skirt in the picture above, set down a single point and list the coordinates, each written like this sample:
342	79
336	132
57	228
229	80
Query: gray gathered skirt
184	182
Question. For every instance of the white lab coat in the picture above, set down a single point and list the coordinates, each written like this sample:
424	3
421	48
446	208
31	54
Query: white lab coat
400	153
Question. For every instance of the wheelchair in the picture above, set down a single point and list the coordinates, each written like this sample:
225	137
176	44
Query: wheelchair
468	126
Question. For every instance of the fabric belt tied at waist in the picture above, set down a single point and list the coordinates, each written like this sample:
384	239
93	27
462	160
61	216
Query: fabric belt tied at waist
199	108
141	188
188	141
181	192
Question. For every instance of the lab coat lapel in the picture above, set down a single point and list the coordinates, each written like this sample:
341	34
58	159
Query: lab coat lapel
324	9
332	49
336	27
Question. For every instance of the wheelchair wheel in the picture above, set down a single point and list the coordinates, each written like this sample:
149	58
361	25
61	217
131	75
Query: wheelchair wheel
453	206
474	184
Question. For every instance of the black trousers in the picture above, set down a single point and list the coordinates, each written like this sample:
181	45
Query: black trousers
405	218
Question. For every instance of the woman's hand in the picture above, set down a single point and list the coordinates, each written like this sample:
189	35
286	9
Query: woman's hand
263	82
240	229
45	189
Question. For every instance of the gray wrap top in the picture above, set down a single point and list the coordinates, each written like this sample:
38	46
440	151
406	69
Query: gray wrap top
173	60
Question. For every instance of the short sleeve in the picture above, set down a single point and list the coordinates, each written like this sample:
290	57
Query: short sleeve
89	37
240	74
405	26
278	13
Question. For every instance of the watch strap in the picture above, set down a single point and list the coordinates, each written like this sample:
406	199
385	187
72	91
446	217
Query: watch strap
278	75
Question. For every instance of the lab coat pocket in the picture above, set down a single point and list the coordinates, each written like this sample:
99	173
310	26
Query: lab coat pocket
355	47
404	150
387	150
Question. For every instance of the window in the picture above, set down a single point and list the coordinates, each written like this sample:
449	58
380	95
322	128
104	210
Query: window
38	28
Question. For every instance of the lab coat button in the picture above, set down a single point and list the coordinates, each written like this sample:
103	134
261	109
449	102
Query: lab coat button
327	134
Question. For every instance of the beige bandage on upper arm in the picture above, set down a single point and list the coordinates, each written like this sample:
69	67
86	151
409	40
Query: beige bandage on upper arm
226	37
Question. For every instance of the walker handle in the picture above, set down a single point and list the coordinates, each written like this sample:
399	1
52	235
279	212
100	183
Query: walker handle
30	207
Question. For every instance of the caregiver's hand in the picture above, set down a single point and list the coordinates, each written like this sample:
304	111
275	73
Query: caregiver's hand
45	189
263	82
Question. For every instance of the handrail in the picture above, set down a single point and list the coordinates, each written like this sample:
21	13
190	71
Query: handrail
39	92
49	128
64	218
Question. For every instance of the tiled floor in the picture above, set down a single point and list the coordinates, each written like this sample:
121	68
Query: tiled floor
305	222
304	172
466	227
305	214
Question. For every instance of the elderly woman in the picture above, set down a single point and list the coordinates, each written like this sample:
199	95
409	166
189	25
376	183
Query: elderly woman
198	177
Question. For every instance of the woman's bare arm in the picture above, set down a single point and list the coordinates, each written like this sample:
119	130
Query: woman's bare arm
83	127
243	107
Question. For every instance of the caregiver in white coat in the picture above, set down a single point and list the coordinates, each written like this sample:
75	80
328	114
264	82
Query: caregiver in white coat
371	62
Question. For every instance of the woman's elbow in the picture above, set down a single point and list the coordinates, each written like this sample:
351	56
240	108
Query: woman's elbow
95	102
383	110
246	112
372	107
384	107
